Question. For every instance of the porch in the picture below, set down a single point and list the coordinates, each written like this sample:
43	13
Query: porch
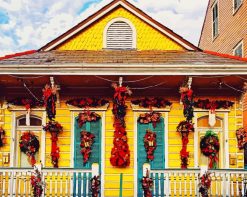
169	182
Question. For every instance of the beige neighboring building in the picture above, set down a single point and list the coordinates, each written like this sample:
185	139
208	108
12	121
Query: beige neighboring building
225	27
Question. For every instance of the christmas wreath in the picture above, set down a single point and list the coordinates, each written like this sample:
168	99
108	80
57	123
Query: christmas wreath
150	144
87	102
28	103
2	134
241	137
50	99
120	153
152	102
54	128
213	105
205	184
37	183
184	128
95	186
29	144
210	147
87	140
152	117
87	117
147	185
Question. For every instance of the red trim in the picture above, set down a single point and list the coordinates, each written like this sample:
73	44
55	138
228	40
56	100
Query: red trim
18	54
226	55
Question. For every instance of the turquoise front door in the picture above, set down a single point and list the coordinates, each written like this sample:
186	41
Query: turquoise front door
95	157
159	155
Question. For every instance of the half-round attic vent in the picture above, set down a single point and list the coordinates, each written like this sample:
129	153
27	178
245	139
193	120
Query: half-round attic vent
119	36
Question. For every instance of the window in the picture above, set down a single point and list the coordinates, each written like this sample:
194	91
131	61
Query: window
215	20
238	50
237	4
120	35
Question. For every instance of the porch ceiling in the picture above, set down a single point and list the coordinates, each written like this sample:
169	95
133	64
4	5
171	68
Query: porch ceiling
12	85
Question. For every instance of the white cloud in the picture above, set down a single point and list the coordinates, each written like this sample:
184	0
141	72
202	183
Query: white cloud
32	24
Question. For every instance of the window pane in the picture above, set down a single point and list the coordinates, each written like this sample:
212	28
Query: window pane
237	3
238	51
33	122
215	20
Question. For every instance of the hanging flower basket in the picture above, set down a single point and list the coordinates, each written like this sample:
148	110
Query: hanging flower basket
87	117
29	144
150	144
210	147
2	135
54	128
152	117
152	102
87	140
87	102
241	137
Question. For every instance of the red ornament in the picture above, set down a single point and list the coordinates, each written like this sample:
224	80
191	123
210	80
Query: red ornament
150	144
87	117
241	137
50	99
95	186
205	184
120	154
147	185
37	183
87	140
153	117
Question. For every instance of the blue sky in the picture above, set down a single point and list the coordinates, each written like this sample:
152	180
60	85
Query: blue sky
30	24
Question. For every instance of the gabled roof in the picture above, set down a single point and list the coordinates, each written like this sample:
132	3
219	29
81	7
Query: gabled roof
108	8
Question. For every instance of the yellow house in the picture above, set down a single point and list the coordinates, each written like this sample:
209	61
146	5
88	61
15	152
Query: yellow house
121	44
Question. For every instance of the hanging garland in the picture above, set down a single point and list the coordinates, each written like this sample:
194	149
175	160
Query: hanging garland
37	183
152	117
54	128
205	184
95	186
87	140
2	135
184	128
241	135
26	102
152	102
213	105
147	185
150	144
210	147
87	102
87	117
120	153
29	144
50	99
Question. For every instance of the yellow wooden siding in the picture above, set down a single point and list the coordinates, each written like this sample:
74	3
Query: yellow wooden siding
147	38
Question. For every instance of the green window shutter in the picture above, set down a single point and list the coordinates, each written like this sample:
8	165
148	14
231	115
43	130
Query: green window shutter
95	157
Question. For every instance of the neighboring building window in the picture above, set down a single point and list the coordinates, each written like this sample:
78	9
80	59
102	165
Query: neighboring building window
238	50
237	4
119	36
215	20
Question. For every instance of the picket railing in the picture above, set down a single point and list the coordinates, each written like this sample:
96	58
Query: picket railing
177	182
58	182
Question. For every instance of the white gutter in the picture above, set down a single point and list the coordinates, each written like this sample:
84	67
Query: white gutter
124	69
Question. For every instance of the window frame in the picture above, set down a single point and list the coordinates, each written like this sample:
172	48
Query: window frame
237	8
118	19
237	46
214	36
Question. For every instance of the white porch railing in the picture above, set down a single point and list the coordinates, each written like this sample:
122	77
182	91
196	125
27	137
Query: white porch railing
177	182
59	182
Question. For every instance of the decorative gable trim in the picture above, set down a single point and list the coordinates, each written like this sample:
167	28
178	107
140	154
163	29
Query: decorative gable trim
131	8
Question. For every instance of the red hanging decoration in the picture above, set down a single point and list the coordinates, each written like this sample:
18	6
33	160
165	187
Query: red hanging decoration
241	137
205	184
26	102
37	183
29	144
2	135
50	99
150	144
210	146
187	99
54	128
87	117
120	154
152	102
87	140
95	186
87	102
213	105
184	128
153	117
147	185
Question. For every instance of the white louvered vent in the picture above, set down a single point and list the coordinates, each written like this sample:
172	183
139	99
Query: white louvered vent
119	36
